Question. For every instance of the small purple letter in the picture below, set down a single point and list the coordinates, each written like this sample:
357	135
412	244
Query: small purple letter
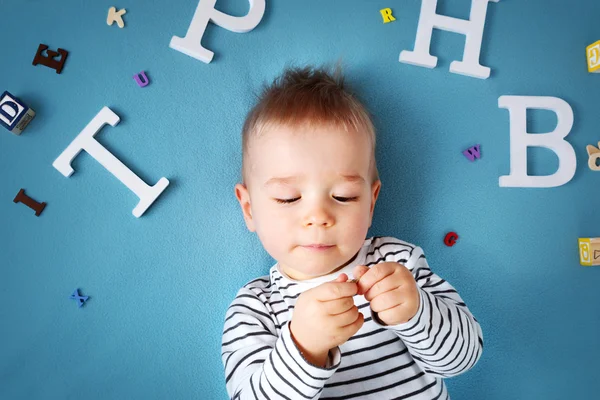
472	153
141	79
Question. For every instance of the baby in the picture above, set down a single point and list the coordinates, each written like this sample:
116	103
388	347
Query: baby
340	316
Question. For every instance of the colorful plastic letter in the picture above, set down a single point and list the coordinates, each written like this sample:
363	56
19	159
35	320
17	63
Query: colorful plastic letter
141	79
594	154
386	13
450	239
473	152
21	197
49	61
115	16
80	299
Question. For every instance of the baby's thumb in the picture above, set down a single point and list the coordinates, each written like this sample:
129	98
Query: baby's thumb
341	278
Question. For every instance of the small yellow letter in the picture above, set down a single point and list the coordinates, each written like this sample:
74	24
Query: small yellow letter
386	13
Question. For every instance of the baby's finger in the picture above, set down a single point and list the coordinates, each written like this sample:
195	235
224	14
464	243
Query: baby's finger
374	275
345	318
335	290
350	330
388	283
359	271
339	306
387	300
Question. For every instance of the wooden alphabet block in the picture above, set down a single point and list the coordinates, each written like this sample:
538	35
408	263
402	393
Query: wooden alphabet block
589	251
14	114
593	57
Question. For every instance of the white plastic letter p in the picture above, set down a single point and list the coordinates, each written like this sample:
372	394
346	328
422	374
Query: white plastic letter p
205	12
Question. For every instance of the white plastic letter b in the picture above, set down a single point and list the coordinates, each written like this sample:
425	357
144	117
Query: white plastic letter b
205	12
472	29
519	141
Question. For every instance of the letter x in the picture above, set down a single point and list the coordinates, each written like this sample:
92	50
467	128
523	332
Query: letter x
80	299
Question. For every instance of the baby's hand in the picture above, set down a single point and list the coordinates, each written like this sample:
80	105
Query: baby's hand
325	317
391	289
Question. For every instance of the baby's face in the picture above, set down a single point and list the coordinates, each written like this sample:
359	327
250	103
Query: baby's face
309	186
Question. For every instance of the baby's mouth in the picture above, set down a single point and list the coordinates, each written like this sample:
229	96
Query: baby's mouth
318	247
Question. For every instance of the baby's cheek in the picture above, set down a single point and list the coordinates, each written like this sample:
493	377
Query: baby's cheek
270	242
354	232
274	233
361	220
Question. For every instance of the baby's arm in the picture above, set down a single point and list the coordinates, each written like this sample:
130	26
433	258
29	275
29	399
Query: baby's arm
259	364
443	337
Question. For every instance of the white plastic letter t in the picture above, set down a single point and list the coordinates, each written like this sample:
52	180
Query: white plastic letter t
86	141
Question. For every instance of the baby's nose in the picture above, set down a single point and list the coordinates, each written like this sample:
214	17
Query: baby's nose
318	218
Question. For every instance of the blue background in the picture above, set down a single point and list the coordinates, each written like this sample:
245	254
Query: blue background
159	285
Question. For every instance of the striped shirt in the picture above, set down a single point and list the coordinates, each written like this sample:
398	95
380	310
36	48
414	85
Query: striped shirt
406	361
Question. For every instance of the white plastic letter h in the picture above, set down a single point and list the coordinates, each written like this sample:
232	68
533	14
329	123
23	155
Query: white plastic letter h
85	141
472	29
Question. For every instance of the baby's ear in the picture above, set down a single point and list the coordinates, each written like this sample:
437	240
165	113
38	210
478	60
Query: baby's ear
375	188
243	196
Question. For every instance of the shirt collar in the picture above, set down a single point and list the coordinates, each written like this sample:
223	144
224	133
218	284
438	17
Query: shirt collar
359	259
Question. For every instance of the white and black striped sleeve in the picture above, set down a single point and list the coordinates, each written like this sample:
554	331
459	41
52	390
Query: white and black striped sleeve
443	337
259	364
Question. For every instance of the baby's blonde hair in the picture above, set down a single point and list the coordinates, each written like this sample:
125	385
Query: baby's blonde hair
311	97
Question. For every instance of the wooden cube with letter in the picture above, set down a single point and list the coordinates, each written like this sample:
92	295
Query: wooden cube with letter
14	114
589	251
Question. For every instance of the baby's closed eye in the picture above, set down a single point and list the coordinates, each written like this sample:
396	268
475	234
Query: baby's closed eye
338	198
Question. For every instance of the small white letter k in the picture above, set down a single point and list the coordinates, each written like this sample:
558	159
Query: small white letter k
114	16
